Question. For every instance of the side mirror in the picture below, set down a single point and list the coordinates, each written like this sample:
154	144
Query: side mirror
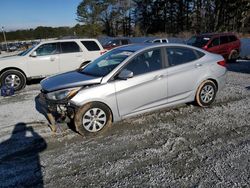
33	54
84	64
125	74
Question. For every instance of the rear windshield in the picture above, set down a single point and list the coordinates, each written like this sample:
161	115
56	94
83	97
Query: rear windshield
199	41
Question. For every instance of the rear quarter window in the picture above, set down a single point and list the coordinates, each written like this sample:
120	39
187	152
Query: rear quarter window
91	45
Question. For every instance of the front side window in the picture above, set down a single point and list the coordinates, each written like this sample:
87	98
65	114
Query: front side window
47	49
145	62
124	42
215	42
70	47
106	63
180	55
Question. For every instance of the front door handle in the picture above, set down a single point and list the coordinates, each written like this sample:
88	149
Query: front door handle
52	58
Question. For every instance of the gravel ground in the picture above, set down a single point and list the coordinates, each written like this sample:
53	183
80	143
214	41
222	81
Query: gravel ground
184	146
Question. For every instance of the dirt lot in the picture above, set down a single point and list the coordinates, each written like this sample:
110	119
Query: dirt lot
185	146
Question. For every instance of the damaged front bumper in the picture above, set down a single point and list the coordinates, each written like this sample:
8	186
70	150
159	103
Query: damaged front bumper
56	111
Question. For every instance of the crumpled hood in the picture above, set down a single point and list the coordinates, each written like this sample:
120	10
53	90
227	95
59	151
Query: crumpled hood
68	80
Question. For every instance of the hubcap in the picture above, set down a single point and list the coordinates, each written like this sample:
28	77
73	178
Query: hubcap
12	80
94	119
207	94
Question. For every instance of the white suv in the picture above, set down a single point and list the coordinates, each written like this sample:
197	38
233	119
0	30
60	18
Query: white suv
47	58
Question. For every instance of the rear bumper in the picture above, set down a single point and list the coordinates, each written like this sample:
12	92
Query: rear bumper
222	81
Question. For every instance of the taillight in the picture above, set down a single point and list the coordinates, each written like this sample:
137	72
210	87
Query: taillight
103	52
222	63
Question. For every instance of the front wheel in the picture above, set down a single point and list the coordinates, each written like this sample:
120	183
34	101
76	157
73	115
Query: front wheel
92	118
13	78
206	93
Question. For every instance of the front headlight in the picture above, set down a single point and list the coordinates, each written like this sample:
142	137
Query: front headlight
63	94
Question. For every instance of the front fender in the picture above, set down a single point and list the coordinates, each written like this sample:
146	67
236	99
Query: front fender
104	93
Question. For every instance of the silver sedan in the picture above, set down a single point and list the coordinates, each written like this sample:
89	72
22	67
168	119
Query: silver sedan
131	80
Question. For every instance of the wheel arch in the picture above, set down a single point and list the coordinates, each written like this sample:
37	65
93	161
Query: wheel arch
103	103
12	68
203	80
214	81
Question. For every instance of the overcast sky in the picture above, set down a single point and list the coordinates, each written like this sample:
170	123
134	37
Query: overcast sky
23	14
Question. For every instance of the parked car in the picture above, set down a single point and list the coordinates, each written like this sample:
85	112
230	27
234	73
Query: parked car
131	80
166	40
116	42
157	40
47	58
226	44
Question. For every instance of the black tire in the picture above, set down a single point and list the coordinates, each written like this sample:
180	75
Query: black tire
206	93
83	114
233	56
20	79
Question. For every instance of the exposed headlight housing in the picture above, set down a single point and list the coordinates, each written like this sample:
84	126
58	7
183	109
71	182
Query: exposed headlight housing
63	94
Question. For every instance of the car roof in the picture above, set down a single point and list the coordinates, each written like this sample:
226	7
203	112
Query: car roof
68	40
214	34
140	46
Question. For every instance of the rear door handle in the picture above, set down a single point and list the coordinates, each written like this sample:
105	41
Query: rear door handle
198	65
158	77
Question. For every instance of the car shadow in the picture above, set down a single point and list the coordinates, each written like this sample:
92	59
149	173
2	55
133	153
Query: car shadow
19	158
248	87
241	66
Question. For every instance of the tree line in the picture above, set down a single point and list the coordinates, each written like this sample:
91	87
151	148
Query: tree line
145	17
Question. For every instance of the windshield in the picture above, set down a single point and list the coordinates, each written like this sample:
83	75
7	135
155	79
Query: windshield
106	63
26	51
199	41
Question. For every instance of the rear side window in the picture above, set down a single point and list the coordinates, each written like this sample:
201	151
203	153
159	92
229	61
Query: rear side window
232	38
180	55
91	45
223	39
69	47
157	41
47	49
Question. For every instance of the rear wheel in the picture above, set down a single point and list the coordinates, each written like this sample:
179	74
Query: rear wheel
13	78
92	118
206	93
